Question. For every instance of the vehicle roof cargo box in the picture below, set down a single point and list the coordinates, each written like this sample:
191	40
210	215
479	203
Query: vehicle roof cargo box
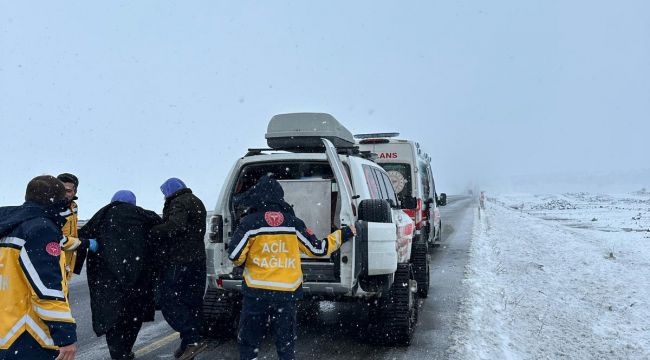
305	130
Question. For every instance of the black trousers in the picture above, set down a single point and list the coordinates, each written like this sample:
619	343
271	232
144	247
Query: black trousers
25	347
121	337
256	316
181	292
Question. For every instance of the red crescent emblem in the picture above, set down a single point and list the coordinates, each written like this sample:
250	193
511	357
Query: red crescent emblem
53	249
274	218
309	231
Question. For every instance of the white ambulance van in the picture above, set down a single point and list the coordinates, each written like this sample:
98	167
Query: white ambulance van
409	168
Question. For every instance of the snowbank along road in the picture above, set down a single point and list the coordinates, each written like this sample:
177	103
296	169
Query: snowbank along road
558	277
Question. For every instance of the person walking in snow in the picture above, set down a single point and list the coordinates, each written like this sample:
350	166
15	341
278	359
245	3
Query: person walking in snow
182	265
35	317
268	243
120	273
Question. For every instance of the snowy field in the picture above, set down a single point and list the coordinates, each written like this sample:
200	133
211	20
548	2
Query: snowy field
558	277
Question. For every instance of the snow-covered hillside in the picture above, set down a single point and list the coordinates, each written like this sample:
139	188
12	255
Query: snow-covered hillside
558	277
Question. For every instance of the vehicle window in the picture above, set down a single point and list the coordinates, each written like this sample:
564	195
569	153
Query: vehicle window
433	184
250	174
400	177
373	186
424	176
389	189
383	193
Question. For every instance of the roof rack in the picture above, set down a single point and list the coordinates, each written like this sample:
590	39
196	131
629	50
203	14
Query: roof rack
376	135
369	155
352	151
256	151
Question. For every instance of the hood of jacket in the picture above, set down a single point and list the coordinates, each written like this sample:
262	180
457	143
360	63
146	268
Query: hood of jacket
172	186
12	216
126	196
266	195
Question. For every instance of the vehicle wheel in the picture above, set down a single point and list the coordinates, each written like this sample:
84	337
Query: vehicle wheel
375	210
394	316
221	311
439	234
420	261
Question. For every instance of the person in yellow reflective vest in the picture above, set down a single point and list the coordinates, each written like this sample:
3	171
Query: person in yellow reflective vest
70	230
35	317
74	247
268	243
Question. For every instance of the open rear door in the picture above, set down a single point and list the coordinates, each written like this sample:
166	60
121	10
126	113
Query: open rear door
346	213
343	180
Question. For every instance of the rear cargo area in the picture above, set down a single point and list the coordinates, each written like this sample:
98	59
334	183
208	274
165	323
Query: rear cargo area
312	192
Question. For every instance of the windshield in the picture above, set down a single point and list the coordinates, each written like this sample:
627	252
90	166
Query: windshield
400	177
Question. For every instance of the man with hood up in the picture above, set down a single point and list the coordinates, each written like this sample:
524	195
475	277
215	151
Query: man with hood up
35	317
268	243
182	265
120	273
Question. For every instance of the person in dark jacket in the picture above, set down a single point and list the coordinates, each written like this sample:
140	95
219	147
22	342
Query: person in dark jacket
268	243
35	317
182	265
120	273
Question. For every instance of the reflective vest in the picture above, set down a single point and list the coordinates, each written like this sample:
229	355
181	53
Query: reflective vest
71	241
270	243
33	287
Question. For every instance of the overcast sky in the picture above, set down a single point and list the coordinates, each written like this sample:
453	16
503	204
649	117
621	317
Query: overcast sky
127	94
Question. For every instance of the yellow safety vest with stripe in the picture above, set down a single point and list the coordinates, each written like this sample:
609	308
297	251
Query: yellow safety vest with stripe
71	241
270	243
33	287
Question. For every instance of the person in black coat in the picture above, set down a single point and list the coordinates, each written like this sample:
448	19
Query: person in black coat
182	265
120	273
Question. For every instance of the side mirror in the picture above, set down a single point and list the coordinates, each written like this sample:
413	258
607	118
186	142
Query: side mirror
392	204
409	203
443	199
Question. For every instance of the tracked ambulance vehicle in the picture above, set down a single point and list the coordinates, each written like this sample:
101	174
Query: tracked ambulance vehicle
329	183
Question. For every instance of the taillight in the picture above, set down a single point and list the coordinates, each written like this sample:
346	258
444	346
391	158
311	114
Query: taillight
220	283
216	229
416	214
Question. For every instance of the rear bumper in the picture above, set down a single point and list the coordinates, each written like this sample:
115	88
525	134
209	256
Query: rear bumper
325	290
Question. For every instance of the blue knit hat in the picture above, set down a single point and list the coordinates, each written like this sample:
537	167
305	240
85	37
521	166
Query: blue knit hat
172	186
124	196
